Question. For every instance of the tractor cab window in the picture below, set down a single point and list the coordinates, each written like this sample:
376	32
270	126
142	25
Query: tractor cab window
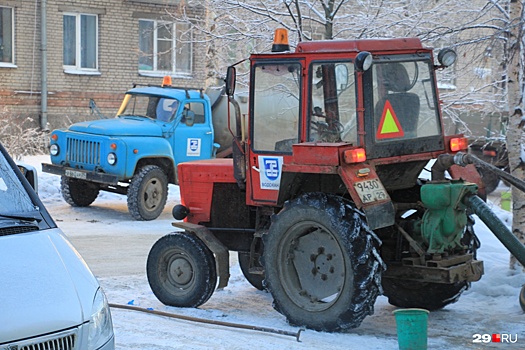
333	115
405	105
276	106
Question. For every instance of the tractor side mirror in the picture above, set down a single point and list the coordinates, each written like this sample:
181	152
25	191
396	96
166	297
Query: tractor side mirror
230	81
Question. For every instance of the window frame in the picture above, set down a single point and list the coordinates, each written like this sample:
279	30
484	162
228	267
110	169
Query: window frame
11	64
77	68
155	71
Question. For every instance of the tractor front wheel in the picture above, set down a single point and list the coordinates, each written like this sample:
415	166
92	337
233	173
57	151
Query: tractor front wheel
181	270
322	264
78	193
147	193
255	280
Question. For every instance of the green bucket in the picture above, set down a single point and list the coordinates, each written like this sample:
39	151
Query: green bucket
411	328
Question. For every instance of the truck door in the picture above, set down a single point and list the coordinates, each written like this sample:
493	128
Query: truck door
193	137
275	125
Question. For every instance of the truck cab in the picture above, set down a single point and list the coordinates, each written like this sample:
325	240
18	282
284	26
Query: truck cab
137	152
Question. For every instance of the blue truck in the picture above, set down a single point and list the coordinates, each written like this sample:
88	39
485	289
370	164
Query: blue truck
137	152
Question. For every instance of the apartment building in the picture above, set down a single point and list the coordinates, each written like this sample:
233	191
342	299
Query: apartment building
57	56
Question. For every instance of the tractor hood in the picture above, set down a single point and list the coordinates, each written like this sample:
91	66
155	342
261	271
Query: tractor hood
122	126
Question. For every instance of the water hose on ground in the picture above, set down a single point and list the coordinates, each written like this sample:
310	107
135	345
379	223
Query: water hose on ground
202	320
498	228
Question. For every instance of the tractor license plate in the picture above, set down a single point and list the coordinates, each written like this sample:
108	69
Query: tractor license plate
76	174
370	191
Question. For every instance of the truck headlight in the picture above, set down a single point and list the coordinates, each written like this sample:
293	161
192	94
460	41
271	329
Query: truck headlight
54	149
100	324
112	158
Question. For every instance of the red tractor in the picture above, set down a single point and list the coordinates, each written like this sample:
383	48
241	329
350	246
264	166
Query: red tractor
323	199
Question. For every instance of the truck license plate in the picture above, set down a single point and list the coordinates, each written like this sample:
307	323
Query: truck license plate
370	191
76	174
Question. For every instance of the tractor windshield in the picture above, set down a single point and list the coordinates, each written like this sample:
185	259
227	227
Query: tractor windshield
332	102
405	105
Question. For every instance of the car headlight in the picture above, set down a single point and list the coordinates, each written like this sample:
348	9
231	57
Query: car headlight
53	149
112	158
100	324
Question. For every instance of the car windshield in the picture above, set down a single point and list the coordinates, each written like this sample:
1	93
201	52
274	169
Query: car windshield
154	107
14	199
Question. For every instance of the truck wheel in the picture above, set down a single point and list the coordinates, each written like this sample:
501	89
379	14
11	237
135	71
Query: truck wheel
254	279
322	263
430	296
181	270
147	193
78	193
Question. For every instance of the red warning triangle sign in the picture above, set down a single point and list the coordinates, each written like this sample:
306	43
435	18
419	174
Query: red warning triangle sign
389	126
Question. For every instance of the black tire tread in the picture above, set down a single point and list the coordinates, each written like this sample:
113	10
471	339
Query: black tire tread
205	270
134	191
367	265
78	193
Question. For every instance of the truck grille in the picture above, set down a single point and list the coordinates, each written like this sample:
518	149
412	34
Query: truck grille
59	341
83	152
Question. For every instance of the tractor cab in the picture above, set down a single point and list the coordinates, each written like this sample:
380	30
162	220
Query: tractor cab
333	103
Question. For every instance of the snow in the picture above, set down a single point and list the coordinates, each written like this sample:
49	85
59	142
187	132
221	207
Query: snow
115	247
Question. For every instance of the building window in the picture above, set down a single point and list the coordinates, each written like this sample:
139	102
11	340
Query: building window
80	42
165	47
6	36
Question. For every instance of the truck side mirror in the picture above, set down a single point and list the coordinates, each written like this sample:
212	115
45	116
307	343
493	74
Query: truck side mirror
230	81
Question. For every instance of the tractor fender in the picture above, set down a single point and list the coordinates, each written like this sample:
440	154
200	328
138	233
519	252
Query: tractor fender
219	250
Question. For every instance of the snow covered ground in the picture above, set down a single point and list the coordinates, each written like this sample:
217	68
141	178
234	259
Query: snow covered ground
116	247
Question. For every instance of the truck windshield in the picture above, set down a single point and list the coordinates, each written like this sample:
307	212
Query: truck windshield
154	107
405	104
14	199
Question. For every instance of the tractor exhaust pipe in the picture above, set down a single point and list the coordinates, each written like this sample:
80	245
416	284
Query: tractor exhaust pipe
498	228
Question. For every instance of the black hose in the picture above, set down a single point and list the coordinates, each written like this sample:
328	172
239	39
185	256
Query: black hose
202	320
498	228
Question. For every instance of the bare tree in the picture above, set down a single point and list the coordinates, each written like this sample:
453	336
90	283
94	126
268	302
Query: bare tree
515	135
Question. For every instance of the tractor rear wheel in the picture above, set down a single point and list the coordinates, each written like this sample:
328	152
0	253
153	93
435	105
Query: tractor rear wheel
181	270
78	193
147	193
430	296
254	279
489	179
522	298
322	264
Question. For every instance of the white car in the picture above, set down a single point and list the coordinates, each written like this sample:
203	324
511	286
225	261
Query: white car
49	299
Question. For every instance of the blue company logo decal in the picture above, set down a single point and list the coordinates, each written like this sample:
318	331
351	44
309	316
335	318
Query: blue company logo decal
271	168
270	174
194	145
